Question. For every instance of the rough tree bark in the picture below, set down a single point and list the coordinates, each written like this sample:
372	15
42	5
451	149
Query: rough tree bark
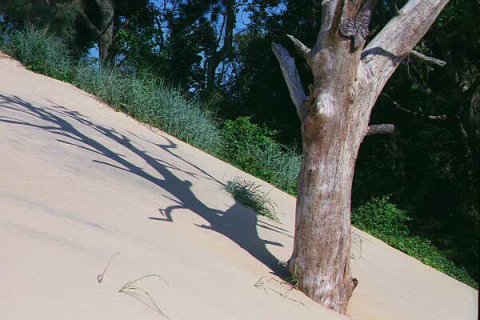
334	120
104	32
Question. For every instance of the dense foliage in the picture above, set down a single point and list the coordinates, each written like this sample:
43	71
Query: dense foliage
386	221
429	167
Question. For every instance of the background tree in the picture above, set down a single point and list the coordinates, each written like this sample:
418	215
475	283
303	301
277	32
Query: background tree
334	120
102	12
200	39
58	15
81	23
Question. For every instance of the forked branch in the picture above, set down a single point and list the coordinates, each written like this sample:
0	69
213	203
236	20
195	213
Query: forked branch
93	29
357	27
329	8
398	38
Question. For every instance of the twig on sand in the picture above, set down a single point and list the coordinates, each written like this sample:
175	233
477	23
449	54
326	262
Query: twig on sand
136	292
262	284
102	275
357	244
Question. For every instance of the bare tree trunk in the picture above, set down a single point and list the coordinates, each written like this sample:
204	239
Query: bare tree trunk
105	39
334	121
104	32
321	256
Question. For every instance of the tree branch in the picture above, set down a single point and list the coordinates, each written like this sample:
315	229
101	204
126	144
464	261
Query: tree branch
89	24
292	78
303	49
331	15
160	31
329	7
397	39
380	129
428	59
441	117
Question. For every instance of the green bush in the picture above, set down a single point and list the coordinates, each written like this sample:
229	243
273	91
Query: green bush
240	134
140	95
385	221
283	164
382	217
425	251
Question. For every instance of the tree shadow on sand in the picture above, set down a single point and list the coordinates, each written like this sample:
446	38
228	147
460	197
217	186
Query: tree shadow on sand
237	223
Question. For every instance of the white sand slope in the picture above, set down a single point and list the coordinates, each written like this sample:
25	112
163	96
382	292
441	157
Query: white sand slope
80	182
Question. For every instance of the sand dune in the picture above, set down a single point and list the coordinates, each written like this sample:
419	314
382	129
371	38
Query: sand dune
80	182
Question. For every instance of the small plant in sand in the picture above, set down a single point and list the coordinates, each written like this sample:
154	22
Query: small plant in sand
294	279
248	193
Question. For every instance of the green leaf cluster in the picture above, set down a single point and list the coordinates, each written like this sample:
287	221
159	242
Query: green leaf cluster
379	215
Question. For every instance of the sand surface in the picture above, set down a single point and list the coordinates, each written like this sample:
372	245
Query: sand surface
80	182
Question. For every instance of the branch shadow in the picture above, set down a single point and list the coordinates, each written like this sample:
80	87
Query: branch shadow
378	51
237	223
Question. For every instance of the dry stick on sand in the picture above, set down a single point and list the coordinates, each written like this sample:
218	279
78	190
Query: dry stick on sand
260	284
357	243
100	276
129	289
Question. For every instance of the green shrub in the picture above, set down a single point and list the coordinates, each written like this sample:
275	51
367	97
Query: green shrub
425	251
240	134
140	95
148	99
385	221
282	165
382	217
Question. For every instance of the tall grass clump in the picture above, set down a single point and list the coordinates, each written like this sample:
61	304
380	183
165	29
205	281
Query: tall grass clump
139	94
254	150
150	100
248	193
39	51
283	165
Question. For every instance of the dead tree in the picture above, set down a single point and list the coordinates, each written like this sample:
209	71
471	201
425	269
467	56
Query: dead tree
348	79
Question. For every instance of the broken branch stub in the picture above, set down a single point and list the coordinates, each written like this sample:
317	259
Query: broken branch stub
292	78
356	28
380	129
